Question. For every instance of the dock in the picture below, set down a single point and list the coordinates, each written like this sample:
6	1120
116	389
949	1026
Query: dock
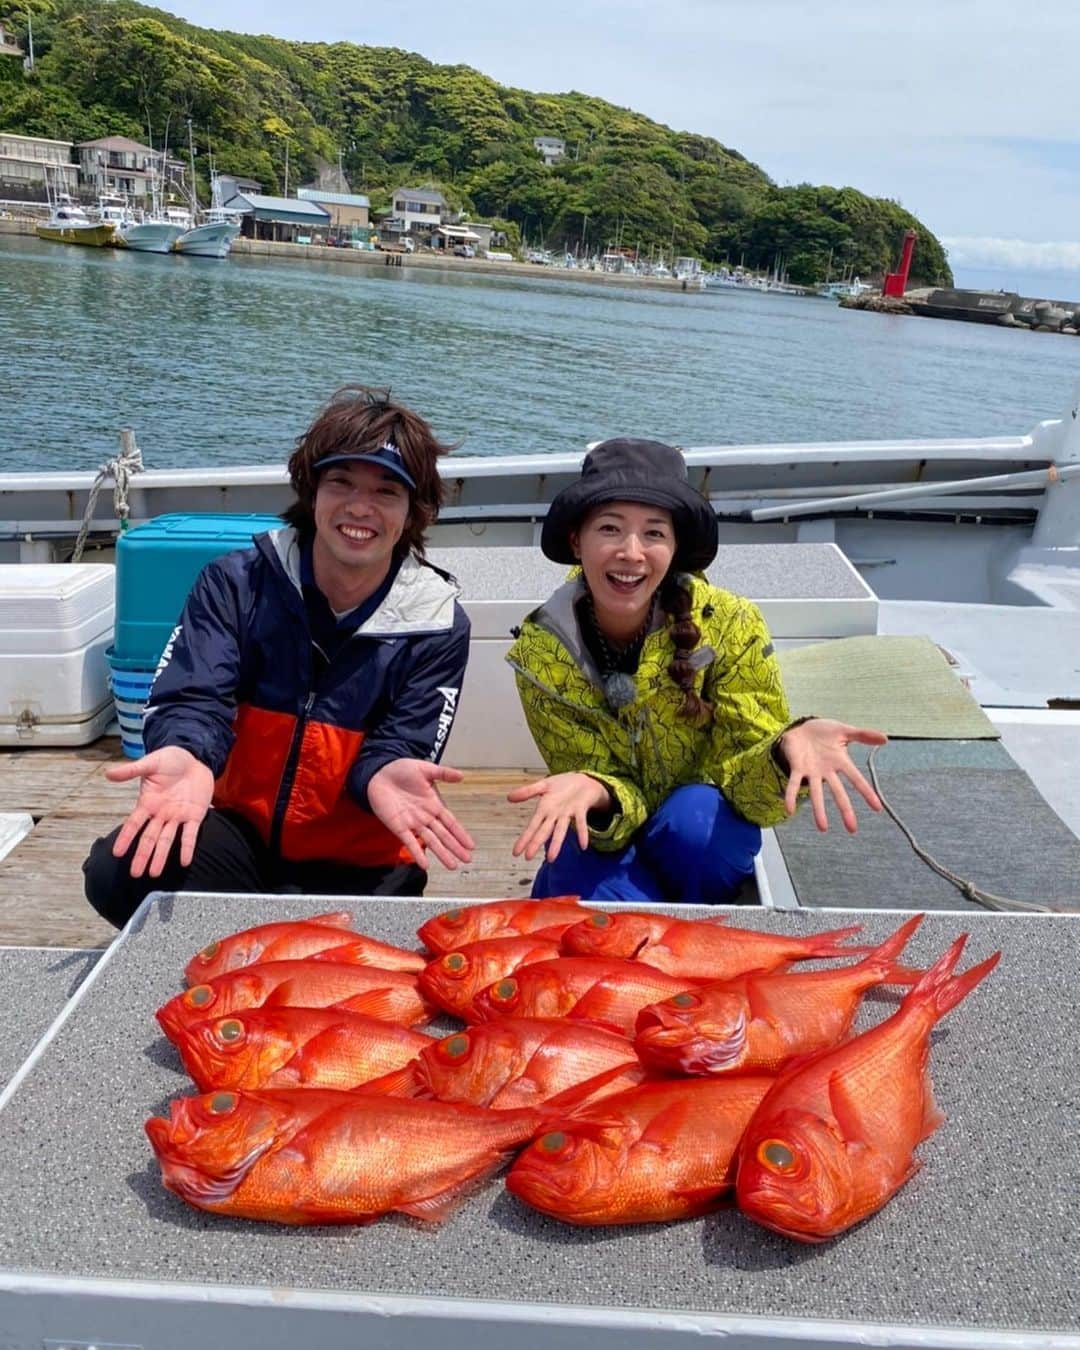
72	803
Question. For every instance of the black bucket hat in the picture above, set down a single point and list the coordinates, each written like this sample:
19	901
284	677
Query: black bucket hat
632	470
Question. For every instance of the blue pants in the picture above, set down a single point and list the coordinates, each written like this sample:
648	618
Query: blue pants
694	850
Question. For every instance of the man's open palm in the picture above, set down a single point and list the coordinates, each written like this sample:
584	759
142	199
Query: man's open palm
404	797
175	791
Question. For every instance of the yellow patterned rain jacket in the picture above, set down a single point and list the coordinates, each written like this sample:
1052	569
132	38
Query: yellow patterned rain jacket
648	749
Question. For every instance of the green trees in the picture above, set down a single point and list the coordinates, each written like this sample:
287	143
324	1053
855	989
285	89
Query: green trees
114	66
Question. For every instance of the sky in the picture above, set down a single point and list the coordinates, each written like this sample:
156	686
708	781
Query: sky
962	110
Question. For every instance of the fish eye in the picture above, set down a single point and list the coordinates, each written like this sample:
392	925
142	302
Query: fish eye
455	963
221	1103
685	1001
600	920
200	996
455	1047
504	990
453	916
208	953
776	1156
229	1030
555	1142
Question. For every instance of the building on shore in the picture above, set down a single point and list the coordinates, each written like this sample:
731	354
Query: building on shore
35	167
349	211
119	165
415	213
289	220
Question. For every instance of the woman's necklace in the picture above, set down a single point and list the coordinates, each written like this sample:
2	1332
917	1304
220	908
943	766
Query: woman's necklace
619	687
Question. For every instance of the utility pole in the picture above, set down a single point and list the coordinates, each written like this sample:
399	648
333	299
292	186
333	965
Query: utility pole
29	64
286	166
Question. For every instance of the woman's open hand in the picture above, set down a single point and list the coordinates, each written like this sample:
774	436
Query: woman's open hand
816	752
563	800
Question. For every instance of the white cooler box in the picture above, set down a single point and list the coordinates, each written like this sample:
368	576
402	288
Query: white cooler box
56	621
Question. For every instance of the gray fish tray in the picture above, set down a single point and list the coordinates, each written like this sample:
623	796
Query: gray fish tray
979	1249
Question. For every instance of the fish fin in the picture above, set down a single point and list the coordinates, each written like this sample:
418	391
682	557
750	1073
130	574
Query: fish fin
435	1208
882	959
553	934
703	1198
664	1128
377	1003
933	1115
577	1094
845	1109
593	1007
943	990
401	1082
334	918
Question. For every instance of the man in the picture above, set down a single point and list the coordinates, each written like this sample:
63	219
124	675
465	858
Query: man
303	702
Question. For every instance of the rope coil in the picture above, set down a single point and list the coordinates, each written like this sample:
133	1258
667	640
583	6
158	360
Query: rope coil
127	463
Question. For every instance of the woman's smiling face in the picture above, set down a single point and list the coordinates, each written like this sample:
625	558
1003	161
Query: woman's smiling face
625	550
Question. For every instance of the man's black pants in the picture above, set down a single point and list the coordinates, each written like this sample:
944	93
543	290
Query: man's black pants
230	857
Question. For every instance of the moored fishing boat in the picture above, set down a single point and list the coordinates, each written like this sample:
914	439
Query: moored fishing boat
69	224
212	239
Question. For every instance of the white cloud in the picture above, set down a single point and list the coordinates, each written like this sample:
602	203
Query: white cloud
984	251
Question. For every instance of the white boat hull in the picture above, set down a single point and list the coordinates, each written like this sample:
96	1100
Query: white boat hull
156	236
207	241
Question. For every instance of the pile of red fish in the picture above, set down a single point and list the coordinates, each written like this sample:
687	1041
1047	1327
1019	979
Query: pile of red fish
646	1067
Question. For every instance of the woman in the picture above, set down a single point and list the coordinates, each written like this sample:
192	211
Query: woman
655	700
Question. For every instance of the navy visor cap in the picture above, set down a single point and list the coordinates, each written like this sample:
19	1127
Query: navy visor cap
388	455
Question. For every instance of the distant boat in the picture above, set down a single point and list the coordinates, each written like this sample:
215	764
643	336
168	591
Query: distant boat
213	238
836	290
153	234
69	224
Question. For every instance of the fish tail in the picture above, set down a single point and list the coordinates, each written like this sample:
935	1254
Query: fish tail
882	960
941	990
830	944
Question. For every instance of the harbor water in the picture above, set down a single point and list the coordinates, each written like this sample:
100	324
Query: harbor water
219	363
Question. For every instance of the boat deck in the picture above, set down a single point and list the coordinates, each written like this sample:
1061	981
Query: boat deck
977	1250
72	804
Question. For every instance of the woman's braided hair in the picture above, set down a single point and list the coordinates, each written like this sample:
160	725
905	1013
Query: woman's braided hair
675	602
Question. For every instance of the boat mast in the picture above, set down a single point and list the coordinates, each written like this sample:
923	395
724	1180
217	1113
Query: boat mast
194	190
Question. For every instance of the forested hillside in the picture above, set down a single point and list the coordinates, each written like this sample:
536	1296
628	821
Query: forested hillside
109	67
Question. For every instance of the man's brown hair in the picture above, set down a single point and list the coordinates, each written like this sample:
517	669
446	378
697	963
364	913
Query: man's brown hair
358	420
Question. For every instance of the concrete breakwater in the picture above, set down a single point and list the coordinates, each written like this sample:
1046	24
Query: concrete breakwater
265	248
1006	309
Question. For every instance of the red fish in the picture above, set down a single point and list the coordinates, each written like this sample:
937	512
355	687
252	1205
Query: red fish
451	980
658	1152
755	1023
523	1062
309	1155
835	1138
388	995
708	949
500	918
294	1047
295	938
608	992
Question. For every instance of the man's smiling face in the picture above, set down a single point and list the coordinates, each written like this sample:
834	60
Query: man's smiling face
361	510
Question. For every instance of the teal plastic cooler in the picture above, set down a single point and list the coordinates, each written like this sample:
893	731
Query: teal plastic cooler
156	565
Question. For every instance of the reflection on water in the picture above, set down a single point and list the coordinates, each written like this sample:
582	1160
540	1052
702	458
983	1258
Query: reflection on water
225	362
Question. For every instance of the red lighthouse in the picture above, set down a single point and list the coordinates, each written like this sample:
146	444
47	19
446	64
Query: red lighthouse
896	282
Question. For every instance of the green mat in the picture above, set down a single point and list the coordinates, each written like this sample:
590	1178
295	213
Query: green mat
901	685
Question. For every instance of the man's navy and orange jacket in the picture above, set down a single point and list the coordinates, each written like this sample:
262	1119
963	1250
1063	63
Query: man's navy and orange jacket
293	736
